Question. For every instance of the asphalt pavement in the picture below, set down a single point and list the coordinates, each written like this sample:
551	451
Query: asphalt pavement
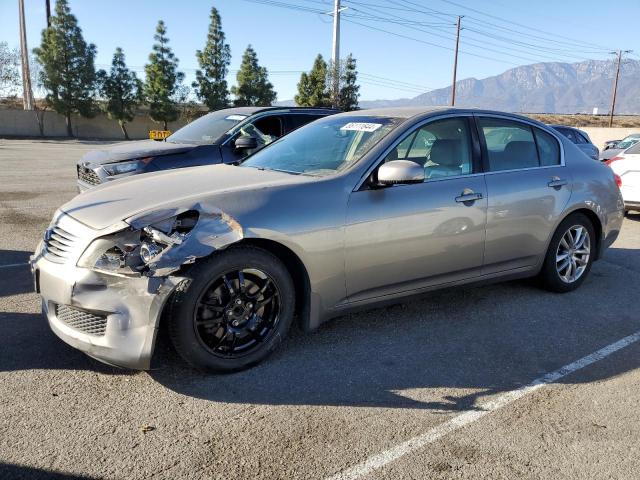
443	386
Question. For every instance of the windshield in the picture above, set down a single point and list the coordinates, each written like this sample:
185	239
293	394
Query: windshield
627	142
635	149
325	146
206	130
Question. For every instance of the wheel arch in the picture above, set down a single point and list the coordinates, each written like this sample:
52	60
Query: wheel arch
595	221
296	268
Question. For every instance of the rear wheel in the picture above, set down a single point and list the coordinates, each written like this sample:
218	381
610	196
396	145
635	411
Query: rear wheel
570	255
233	310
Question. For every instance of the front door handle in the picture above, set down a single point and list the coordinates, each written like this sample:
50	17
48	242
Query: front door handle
468	196
557	182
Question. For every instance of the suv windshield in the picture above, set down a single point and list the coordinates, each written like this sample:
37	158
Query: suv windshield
325	146
206	130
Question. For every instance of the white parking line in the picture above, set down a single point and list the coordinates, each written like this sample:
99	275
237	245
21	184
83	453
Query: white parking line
12	265
384	458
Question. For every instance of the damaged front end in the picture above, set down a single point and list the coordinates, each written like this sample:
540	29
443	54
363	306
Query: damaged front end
160	243
104	295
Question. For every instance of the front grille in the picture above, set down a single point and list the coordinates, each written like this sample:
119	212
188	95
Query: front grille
81	320
87	175
59	244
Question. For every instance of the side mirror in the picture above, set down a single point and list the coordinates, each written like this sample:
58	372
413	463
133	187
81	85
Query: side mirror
399	172
245	142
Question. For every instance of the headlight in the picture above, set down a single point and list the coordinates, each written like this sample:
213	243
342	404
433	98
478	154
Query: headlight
131	251
120	168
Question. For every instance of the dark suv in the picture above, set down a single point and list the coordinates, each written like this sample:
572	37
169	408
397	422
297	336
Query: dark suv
224	136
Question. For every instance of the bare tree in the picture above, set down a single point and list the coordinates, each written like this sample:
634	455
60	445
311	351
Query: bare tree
10	81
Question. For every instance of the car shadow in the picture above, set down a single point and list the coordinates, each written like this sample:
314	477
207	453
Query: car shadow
442	351
12	471
29	344
633	216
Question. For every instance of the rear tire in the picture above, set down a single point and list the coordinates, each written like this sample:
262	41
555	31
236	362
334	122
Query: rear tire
232	311
570	255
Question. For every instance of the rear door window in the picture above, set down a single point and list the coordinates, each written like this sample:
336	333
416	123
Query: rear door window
548	148
509	145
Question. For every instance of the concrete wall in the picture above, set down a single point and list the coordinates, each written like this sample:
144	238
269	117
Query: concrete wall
599	135
21	123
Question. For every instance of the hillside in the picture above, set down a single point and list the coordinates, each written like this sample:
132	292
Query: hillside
541	87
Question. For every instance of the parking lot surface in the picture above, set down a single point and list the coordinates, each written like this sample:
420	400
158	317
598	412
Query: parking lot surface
340	401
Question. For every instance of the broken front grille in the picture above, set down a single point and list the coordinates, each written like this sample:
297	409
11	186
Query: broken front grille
80	320
59	245
87	175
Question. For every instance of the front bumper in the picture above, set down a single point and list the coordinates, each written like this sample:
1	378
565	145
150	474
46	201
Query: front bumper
130	306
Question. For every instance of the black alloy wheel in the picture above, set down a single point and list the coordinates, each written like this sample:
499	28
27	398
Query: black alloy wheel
232	310
237	312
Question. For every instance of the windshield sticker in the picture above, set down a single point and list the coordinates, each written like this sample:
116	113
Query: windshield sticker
361	127
236	118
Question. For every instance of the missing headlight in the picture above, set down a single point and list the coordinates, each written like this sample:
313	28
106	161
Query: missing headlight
131	251
162	235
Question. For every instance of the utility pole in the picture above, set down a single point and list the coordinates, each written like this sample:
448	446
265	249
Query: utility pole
27	93
615	84
455	64
335	56
48	3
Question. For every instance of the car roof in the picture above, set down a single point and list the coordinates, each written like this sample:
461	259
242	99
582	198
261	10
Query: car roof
253	110
416	112
565	126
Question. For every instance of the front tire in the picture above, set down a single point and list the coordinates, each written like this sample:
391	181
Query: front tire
570	255
233	310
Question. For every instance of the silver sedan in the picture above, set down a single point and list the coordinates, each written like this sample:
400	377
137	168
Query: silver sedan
353	210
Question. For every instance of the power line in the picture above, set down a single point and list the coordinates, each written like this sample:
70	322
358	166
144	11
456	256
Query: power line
484	45
511	22
544	48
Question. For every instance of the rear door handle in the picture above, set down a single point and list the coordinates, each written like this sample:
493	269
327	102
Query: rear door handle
557	182
468	197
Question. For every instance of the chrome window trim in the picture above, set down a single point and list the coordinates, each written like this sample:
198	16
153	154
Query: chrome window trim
542	167
408	130
533	124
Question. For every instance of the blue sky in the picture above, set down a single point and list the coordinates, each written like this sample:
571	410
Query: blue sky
505	32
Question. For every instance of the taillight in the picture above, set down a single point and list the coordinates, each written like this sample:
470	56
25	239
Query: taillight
618	180
611	160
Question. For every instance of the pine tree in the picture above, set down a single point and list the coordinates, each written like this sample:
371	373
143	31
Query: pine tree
253	86
349	89
162	79
211	84
122	90
68	72
312	88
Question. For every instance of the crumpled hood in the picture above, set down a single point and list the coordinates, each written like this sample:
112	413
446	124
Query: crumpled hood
115	201
132	150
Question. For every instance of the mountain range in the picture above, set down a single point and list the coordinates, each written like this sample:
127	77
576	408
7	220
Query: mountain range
551	87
